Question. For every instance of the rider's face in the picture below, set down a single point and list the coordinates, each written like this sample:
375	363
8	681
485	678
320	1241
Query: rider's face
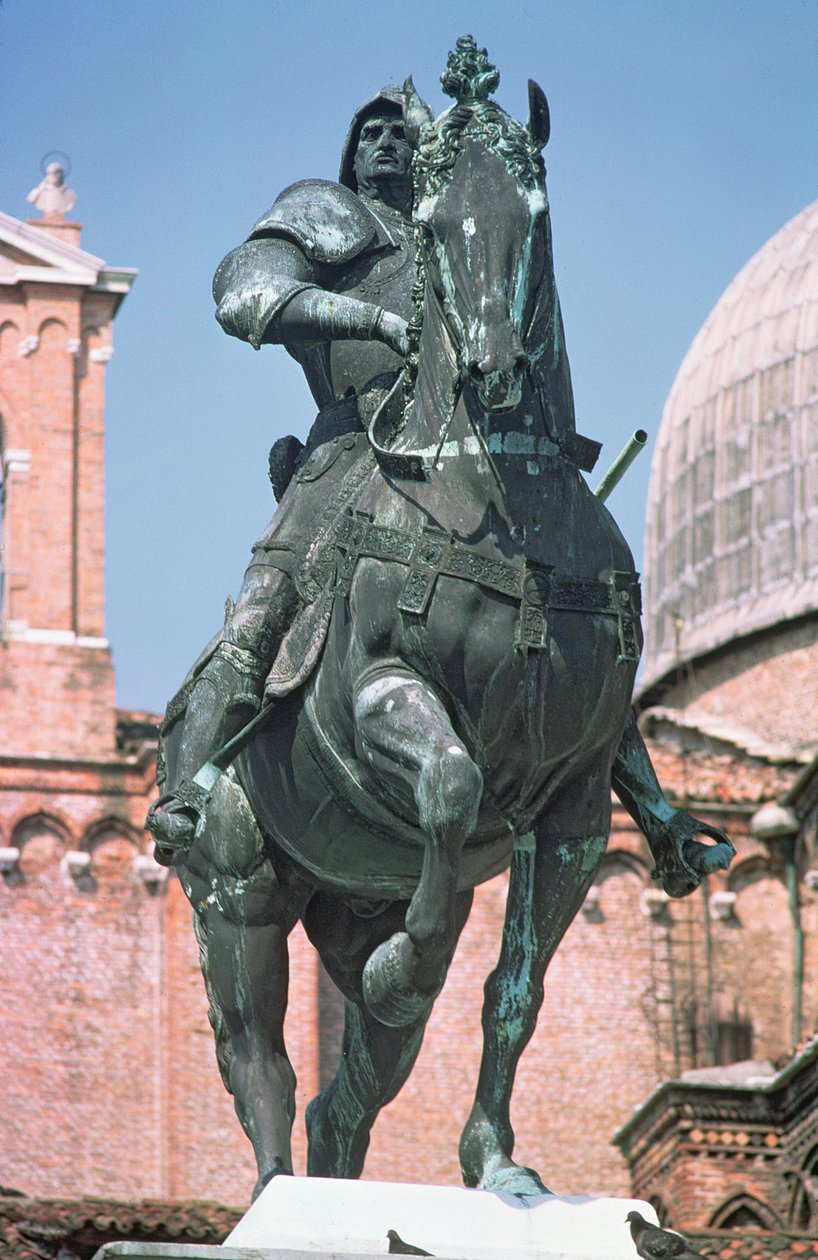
383	153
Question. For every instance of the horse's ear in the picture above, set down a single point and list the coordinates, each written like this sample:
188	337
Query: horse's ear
416	113
539	119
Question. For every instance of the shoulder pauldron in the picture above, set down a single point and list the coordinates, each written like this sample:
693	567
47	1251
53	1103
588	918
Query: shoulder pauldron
328	221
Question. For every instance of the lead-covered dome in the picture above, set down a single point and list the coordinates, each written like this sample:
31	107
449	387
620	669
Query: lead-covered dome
732	520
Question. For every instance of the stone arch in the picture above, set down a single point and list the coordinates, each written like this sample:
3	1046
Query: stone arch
9	340
51	326
113	844
804	1206
748	870
615	891
613	858
103	829
744	1211
90	341
25	826
42	839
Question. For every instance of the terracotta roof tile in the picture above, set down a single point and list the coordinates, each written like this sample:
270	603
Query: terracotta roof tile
35	1229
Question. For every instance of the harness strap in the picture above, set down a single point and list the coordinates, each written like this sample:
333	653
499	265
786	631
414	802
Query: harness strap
538	589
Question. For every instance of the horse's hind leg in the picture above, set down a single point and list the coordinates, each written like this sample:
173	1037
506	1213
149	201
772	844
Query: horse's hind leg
403	731
375	1060
550	875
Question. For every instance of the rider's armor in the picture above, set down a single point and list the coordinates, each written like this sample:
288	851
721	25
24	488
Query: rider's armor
351	258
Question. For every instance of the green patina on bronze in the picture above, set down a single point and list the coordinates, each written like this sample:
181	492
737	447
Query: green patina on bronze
445	617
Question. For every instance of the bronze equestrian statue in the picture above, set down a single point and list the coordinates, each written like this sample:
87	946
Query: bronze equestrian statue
427	675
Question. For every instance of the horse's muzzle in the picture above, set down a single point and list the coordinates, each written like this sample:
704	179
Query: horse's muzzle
498	390
497	370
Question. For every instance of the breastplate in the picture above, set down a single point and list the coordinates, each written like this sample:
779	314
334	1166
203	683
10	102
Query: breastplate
383	275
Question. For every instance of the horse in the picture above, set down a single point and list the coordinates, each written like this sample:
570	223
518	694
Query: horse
468	700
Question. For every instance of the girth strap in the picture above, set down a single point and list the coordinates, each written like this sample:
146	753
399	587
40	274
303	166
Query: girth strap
538	589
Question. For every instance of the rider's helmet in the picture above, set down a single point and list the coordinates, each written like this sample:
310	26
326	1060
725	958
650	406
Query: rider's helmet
388	101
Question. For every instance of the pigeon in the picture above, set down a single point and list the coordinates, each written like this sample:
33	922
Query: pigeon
653	1243
397	1247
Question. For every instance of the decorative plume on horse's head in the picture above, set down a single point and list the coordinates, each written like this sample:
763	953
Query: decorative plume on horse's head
471	78
469	75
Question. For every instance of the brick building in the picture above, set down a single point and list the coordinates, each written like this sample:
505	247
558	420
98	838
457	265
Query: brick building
111	1084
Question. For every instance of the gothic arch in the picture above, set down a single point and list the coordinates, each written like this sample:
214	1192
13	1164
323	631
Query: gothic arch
49	324
27	826
744	1211
614	858
43	840
108	827
748	870
805	1193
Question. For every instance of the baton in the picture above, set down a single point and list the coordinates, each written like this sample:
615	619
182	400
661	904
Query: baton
621	464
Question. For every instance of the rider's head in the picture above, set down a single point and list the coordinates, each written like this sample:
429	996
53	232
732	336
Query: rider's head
377	159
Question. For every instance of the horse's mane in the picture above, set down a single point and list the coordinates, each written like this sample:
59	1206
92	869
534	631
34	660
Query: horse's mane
443	141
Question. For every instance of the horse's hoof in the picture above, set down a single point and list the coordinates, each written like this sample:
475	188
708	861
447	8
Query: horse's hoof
514	1179
387	995
278	1170
709	858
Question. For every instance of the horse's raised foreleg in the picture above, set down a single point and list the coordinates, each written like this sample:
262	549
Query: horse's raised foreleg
375	1060
549	879
243	916
403	731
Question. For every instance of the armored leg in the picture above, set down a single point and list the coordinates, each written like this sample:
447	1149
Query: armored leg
225	695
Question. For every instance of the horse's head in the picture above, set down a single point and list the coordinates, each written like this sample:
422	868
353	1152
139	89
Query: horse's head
481	210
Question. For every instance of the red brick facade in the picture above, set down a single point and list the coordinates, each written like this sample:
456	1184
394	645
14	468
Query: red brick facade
111	1085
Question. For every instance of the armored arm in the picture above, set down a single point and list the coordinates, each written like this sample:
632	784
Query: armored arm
277	286
681	860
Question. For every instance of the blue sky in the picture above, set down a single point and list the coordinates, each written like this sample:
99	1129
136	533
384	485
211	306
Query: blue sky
683	136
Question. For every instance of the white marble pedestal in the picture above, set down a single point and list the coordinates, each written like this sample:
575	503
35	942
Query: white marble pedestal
316	1215
300	1218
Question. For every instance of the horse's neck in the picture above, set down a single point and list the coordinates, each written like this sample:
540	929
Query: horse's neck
552	372
436	387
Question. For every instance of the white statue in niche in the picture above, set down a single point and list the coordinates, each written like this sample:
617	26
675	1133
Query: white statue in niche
51	196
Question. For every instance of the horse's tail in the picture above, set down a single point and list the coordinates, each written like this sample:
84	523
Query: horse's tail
215	1014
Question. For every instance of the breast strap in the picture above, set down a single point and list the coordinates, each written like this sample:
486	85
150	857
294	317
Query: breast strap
537	588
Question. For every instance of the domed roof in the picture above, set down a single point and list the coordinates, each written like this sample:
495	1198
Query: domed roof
732	520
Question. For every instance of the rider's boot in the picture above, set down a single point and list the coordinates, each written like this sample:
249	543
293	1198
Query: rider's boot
225	696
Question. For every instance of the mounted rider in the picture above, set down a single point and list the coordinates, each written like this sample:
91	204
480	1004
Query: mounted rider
328	272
